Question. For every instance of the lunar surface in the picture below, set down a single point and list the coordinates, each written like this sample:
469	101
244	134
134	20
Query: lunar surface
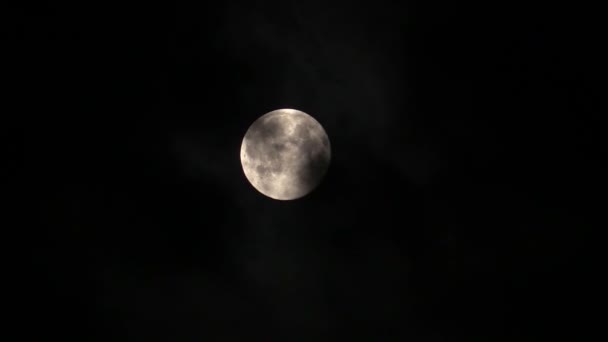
285	154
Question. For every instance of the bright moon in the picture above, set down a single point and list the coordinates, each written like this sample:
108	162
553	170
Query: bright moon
285	154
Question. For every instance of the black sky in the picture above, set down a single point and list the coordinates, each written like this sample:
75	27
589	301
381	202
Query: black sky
459	204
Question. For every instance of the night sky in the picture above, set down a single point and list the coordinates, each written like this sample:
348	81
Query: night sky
459	203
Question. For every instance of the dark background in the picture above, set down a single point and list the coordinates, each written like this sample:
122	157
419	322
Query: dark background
459	204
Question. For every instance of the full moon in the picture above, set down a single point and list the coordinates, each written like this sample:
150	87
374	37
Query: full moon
285	154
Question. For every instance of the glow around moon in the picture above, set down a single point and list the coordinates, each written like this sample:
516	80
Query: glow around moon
285	154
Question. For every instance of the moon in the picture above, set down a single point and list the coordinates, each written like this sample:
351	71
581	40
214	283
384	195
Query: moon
285	154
